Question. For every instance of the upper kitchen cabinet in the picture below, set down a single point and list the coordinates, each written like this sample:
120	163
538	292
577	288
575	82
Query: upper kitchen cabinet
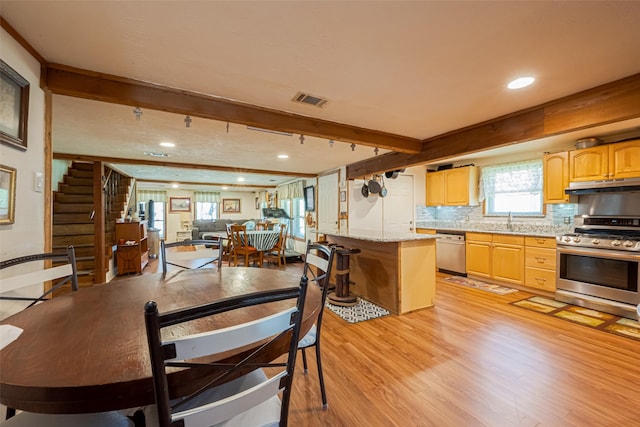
556	177
453	187
620	160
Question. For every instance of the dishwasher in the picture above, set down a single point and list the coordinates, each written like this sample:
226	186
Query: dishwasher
451	252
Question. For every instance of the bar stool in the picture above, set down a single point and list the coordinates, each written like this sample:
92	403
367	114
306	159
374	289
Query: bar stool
341	295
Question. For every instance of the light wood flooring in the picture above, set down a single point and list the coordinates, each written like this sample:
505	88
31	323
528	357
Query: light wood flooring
472	360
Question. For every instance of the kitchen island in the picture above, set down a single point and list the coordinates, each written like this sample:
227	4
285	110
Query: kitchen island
396	271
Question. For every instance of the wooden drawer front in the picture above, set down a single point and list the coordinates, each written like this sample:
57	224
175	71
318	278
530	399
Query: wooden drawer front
508	240
540	258
540	278
425	231
540	242
479	237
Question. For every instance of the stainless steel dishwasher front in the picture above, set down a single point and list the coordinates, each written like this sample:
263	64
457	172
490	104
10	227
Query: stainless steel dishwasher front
451	252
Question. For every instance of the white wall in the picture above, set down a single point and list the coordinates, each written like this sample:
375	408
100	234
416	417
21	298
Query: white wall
26	235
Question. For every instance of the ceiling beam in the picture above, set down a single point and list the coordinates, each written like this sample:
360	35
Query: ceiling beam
120	160
64	80
209	184
609	103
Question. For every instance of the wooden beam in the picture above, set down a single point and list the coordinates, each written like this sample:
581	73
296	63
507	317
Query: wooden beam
609	103
162	181
79	83
83	158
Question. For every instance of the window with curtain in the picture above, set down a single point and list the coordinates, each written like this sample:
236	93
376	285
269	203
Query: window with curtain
159	198
291	199
514	188
207	205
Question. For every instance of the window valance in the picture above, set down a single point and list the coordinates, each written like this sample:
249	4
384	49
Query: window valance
206	196
155	195
520	177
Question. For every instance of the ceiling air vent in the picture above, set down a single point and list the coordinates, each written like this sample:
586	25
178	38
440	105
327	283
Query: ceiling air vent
305	98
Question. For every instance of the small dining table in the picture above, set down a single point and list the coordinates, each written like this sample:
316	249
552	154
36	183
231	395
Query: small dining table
262	240
87	351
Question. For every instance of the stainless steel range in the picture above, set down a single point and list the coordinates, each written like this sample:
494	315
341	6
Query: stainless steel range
598	265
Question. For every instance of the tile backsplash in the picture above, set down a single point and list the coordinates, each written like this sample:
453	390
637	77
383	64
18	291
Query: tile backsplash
471	218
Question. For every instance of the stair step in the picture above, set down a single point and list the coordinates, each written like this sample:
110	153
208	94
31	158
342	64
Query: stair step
88	265
82	251
73	180
85	208
75	189
82	166
73	229
73	198
77	173
72	218
73	240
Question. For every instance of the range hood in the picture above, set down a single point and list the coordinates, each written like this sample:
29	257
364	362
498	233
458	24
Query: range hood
604	186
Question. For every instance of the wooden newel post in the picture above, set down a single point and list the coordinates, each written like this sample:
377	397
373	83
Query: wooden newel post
341	295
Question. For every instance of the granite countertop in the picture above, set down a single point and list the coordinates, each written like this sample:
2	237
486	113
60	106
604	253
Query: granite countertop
379	236
517	230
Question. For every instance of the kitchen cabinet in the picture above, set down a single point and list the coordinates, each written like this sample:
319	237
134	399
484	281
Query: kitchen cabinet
540	263
133	247
619	160
555	169
425	231
496	256
453	187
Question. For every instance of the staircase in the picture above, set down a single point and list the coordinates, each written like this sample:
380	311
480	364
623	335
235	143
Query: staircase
73	219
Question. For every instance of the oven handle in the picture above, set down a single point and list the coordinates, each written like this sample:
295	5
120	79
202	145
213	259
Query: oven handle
620	255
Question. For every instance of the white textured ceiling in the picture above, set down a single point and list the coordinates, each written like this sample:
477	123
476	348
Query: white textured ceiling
418	69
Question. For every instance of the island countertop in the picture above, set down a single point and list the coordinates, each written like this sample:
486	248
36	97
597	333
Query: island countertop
378	236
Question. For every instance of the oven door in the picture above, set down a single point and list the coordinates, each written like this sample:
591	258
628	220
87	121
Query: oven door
601	273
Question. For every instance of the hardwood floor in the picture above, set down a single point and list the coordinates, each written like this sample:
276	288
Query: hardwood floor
472	360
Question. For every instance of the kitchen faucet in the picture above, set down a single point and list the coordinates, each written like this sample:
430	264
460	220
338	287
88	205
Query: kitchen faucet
509	221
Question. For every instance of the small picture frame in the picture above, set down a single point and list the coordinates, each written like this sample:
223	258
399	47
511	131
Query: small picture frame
343	196
231	205
179	204
7	194
257	203
14	107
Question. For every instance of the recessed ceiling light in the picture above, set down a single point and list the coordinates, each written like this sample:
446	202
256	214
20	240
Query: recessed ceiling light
283	156
240	179
174	185
521	82
225	188
156	154
167	144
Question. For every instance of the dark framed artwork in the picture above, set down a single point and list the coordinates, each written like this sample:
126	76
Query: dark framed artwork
179	204
231	205
7	194
14	107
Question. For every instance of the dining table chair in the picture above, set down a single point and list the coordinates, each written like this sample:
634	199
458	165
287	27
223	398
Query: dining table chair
277	253
241	247
60	269
318	262
238	394
200	253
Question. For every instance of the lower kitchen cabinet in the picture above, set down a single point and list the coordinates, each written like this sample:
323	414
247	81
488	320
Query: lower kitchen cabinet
496	256
540	263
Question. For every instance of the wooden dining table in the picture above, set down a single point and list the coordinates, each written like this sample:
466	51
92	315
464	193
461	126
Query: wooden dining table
87	351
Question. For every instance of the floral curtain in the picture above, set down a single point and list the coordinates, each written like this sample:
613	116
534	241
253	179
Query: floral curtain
155	195
292	190
206	196
521	177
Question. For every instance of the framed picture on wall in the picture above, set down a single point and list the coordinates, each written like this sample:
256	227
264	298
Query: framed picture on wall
179	204
231	205
7	194
14	107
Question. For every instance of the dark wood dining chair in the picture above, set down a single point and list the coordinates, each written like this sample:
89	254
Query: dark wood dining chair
318	262
59	269
277	253
241	247
236	394
201	253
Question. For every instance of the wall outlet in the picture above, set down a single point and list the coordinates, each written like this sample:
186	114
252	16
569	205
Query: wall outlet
567	220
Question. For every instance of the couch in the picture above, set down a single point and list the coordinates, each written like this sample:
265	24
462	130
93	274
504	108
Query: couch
200	227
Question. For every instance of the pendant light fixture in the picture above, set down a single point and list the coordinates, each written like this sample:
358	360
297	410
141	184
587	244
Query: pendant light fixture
187	121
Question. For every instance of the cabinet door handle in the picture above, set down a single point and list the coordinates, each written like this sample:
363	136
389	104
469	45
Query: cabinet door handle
540	259
540	279
541	241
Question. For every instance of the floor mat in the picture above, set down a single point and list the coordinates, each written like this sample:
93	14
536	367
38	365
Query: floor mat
584	316
361	311
479	284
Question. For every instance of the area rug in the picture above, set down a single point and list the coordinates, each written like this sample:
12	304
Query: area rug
583	316
479	284
361	311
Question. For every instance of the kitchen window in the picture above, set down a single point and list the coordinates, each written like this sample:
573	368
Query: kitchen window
514	188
